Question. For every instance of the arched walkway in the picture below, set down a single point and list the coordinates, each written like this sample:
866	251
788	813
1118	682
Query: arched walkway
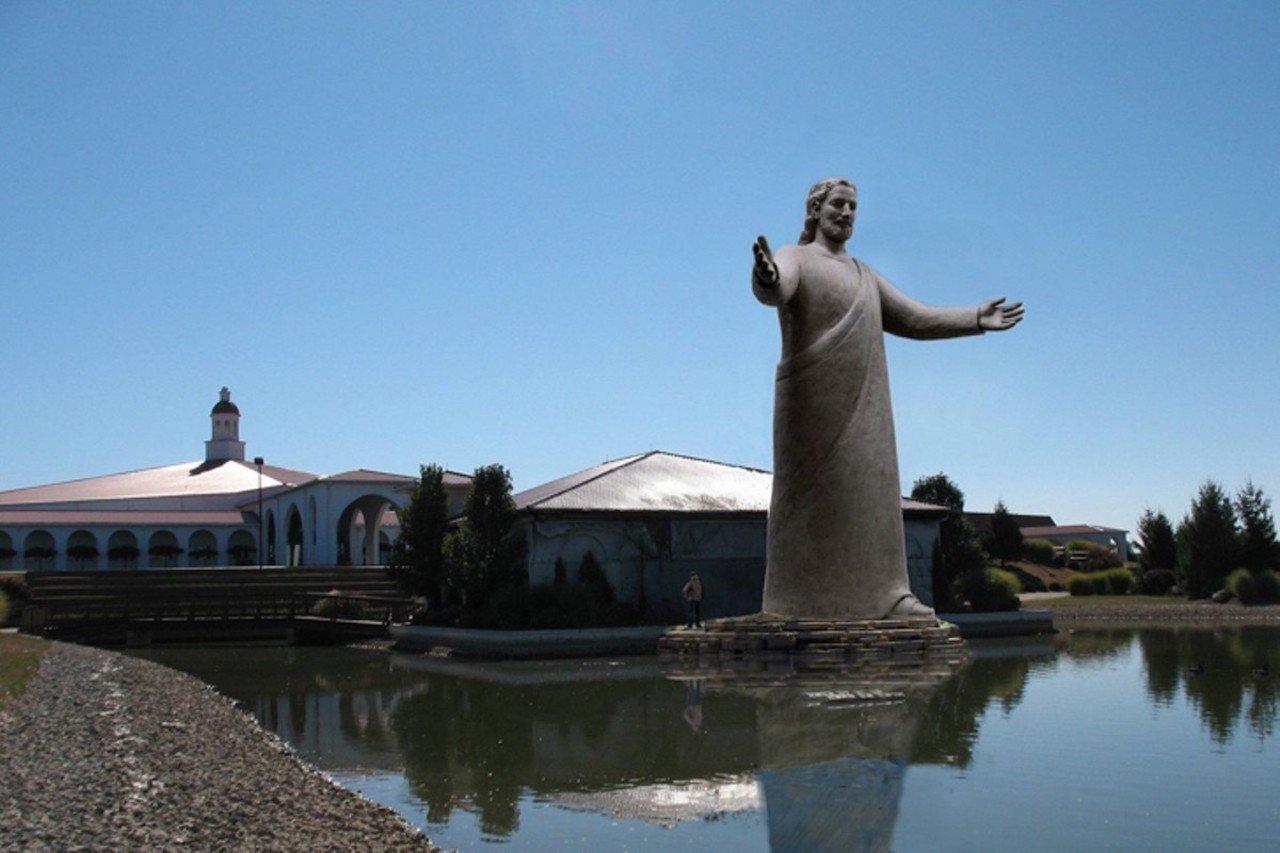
163	550
241	549
360	532
38	551
202	549
122	550
271	538
7	552
82	550
294	537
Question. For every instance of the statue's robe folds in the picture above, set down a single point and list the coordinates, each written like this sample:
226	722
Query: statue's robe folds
836	546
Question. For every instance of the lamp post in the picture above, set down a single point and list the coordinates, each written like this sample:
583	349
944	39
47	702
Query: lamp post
257	460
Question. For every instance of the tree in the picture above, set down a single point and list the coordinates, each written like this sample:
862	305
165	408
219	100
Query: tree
958	551
1208	546
938	489
1159	546
1259	551
486	552
1006	536
417	557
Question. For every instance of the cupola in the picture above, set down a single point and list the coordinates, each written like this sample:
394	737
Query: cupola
225	443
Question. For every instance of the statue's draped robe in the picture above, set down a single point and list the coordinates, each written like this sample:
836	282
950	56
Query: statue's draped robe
836	546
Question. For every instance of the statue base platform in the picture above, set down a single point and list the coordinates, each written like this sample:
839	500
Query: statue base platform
790	649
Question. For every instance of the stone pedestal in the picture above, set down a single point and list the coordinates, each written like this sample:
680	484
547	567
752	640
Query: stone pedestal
879	652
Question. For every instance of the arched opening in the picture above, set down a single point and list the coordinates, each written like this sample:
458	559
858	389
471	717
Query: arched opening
311	519
202	549
271	538
38	551
82	550
122	550
7	552
294	536
163	550
241	549
384	548
360	526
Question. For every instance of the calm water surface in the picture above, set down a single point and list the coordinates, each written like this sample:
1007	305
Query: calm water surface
1133	739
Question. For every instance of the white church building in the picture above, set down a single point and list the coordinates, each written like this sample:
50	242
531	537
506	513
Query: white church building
221	510
647	519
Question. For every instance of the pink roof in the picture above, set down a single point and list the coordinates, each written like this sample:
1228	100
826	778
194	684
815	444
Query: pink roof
117	518
187	479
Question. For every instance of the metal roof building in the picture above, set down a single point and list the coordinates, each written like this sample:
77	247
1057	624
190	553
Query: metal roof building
206	512
650	518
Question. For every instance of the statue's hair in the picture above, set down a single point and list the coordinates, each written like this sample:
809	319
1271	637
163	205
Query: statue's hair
817	195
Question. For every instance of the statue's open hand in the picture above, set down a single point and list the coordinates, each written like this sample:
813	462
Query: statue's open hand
766	271
995	316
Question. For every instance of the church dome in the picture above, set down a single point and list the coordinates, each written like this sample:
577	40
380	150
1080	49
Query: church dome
224	406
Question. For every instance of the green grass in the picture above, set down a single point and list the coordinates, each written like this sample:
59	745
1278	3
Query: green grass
19	660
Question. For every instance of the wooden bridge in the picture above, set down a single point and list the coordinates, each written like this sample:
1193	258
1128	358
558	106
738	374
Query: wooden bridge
141	607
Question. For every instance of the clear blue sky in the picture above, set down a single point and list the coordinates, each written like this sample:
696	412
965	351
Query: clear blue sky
520	232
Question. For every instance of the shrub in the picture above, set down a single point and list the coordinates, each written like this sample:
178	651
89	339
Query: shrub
1090	556
1254	587
1118	581
1267	585
14	590
1240	584
991	590
1158	581
1039	551
335	606
507	609
1080	585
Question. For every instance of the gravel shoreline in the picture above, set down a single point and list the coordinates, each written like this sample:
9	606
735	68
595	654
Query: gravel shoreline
111	752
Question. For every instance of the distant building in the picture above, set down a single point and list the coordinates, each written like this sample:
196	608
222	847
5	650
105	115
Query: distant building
648	519
206	513
1110	537
981	521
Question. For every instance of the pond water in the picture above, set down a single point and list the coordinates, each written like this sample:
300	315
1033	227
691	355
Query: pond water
1120	739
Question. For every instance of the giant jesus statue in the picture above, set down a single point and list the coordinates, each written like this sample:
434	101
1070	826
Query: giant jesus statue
836	548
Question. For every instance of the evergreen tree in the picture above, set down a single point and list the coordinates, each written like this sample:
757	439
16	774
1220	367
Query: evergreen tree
1208	546
1259	550
486	552
1006	537
958	552
417	557
1159	547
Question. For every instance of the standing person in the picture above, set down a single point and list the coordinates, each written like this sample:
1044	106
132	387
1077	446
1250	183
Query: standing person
835	540
693	600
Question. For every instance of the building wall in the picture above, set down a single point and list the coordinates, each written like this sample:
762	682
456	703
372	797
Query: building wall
647	559
1117	540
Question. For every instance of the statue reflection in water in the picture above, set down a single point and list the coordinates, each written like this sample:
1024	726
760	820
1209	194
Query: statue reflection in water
832	753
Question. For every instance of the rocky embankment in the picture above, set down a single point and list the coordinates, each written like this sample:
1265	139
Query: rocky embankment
110	752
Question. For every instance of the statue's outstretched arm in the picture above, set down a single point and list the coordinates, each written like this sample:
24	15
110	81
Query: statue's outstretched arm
773	278
995	316
908	318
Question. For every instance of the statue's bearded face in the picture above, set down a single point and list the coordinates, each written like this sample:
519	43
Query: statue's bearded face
837	212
